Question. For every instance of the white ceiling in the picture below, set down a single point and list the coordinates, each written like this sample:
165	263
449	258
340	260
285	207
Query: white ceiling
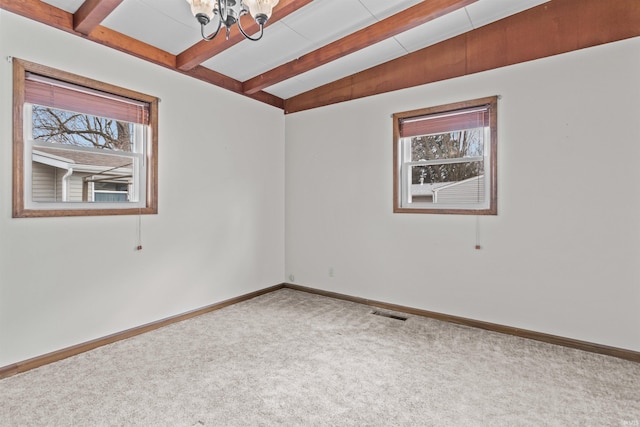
170	26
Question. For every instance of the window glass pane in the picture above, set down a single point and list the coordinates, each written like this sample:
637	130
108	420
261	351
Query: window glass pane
451	184
82	130
66	173
450	145
447	173
110	191
110	186
72	151
110	197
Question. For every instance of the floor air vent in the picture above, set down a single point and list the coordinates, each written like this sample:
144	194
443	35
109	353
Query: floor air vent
389	315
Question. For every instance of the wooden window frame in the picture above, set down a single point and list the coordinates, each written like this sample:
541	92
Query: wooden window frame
20	70
492	209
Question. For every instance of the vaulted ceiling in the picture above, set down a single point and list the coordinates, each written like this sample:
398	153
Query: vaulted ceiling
313	49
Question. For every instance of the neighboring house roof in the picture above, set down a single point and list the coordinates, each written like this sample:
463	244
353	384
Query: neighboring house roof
427	189
81	160
452	184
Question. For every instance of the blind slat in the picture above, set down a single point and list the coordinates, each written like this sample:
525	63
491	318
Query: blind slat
65	97
442	123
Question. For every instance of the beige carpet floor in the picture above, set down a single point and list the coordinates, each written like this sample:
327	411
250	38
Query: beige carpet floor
297	359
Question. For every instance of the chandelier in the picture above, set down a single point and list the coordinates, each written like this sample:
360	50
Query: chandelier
229	13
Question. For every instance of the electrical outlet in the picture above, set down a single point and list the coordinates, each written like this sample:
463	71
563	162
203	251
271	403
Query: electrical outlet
292	278
330	271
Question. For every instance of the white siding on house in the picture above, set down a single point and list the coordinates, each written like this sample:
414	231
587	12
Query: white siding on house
463	192
75	187
48	184
43	183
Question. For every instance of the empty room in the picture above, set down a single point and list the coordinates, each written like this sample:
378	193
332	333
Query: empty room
319	212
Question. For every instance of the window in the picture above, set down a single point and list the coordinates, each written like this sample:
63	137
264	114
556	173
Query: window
81	147
111	192
445	159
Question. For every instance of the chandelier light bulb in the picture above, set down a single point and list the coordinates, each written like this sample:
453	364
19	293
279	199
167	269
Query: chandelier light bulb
261	9
202	8
228	13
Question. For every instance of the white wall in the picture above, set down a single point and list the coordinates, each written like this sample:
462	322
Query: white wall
219	232
561	257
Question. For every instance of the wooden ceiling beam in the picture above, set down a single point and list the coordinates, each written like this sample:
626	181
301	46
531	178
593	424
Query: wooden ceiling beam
204	50
91	14
403	21
225	82
118	41
54	17
549	29
41	12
